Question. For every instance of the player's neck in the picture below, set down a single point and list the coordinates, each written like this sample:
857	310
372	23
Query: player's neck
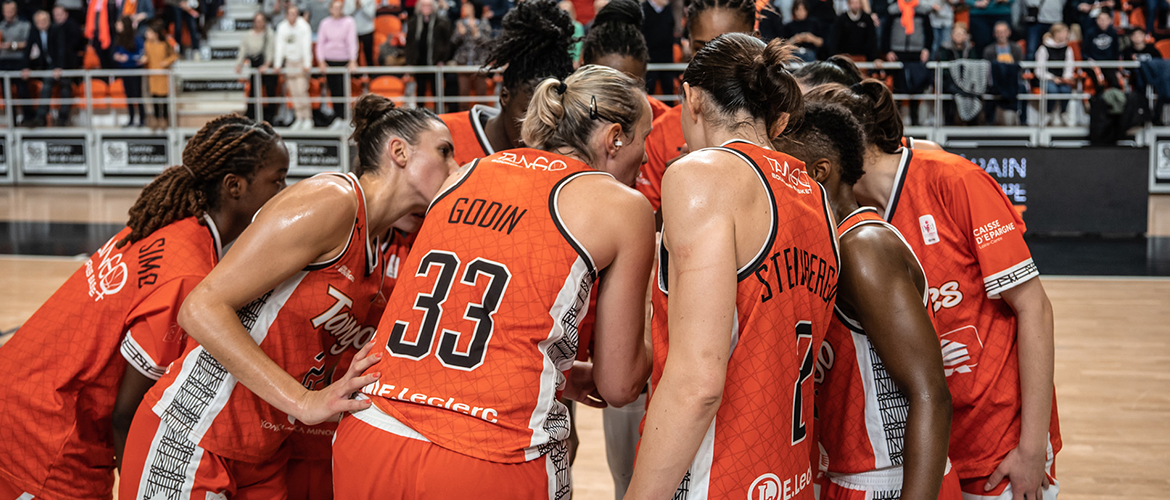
383	206
229	227
875	186
843	201
497	133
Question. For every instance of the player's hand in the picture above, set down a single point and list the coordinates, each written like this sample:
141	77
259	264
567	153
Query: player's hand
318	406
580	386
1026	473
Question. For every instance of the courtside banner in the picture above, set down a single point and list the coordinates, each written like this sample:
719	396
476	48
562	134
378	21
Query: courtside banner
1094	190
3	155
311	155
134	155
54	155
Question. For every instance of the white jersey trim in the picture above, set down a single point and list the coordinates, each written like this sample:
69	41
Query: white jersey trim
137	357
171	453
1010	278
383	421
477	111
697	481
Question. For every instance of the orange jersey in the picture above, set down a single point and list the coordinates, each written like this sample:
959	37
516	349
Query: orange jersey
485	316
664	144
760	437
466	128
66	360
970	242
307	324
862	413
657	108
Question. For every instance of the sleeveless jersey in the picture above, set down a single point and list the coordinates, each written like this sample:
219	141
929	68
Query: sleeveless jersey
66	356
305	324
657	108
664	144
485	315
970	242
862	408
467	131
759	442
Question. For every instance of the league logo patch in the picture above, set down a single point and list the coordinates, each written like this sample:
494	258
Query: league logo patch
929	229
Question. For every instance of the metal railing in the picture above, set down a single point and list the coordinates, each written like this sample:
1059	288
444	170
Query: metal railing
227	73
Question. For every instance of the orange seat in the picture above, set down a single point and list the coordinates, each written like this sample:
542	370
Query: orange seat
379	39
315	91
117	94
1163	47
677	53
390	87
387	25
100	90
92	61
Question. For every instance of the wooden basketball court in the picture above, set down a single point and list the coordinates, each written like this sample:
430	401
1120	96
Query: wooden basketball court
1112	354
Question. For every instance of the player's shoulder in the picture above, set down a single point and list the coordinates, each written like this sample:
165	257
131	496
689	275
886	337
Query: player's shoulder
617	196
187	247
456	118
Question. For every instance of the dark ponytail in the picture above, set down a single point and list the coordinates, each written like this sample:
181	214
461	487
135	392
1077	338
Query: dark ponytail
836	69
873	105
617	29
533	44
759	83
376	119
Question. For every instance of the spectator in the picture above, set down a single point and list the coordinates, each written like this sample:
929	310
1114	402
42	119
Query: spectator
26	9
942	17
498	8
1102	44
363	13
185	14
337	46
771	24
984	16
471	37
1056	56
428	43
1088	10
75	9
823	11
1006	80
258	49
128	54
1039	16
658	30
908	38
959	48
804	31
294	41
100	18
1155	9
391	54
1138	49
854	33
578	29
160	54
13	38
316	11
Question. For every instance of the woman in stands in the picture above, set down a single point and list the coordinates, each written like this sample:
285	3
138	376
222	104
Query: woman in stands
616	40
747	270
484	321
991	312
279	315
882	310
126	298
706	19
533	45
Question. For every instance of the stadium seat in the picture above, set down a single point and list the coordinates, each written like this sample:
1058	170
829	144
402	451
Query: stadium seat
100	89
387	25
390	87
1163	47
117	94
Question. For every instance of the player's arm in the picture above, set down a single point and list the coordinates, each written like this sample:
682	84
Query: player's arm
877	285
699	234
297	228
1036	354
619	234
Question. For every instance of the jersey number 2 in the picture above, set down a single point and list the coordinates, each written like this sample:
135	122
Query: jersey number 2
432	306
803	331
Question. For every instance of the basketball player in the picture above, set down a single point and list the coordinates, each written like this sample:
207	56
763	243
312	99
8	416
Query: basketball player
533	45
484	321
991	312
706	19
749	260
276	317
882	332
616	40
64	423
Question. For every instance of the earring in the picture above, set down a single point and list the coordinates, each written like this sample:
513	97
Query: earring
617	144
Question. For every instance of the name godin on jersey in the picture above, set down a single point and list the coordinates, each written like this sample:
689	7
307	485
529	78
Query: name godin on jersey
110	276
538	163
795	178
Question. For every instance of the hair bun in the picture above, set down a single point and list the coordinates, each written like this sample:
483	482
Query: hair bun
620	12
367	110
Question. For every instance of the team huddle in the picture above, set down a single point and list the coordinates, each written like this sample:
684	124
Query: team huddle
823	308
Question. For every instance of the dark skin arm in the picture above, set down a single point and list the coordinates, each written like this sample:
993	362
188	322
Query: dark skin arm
878	287
134	387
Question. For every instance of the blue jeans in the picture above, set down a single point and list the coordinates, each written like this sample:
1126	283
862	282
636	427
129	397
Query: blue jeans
1057	88
940	35
191	22
1036	33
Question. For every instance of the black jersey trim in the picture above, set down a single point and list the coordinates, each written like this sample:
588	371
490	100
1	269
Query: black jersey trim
750	268
899	183
473	115
832	227
663	265
556	217
857	212
443	194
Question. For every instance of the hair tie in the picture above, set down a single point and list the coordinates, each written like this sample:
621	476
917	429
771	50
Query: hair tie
857	88
189	171
562	88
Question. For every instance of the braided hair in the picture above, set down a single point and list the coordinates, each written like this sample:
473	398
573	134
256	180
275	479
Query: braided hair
534	44
617	29
828	130
230	144
746	8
